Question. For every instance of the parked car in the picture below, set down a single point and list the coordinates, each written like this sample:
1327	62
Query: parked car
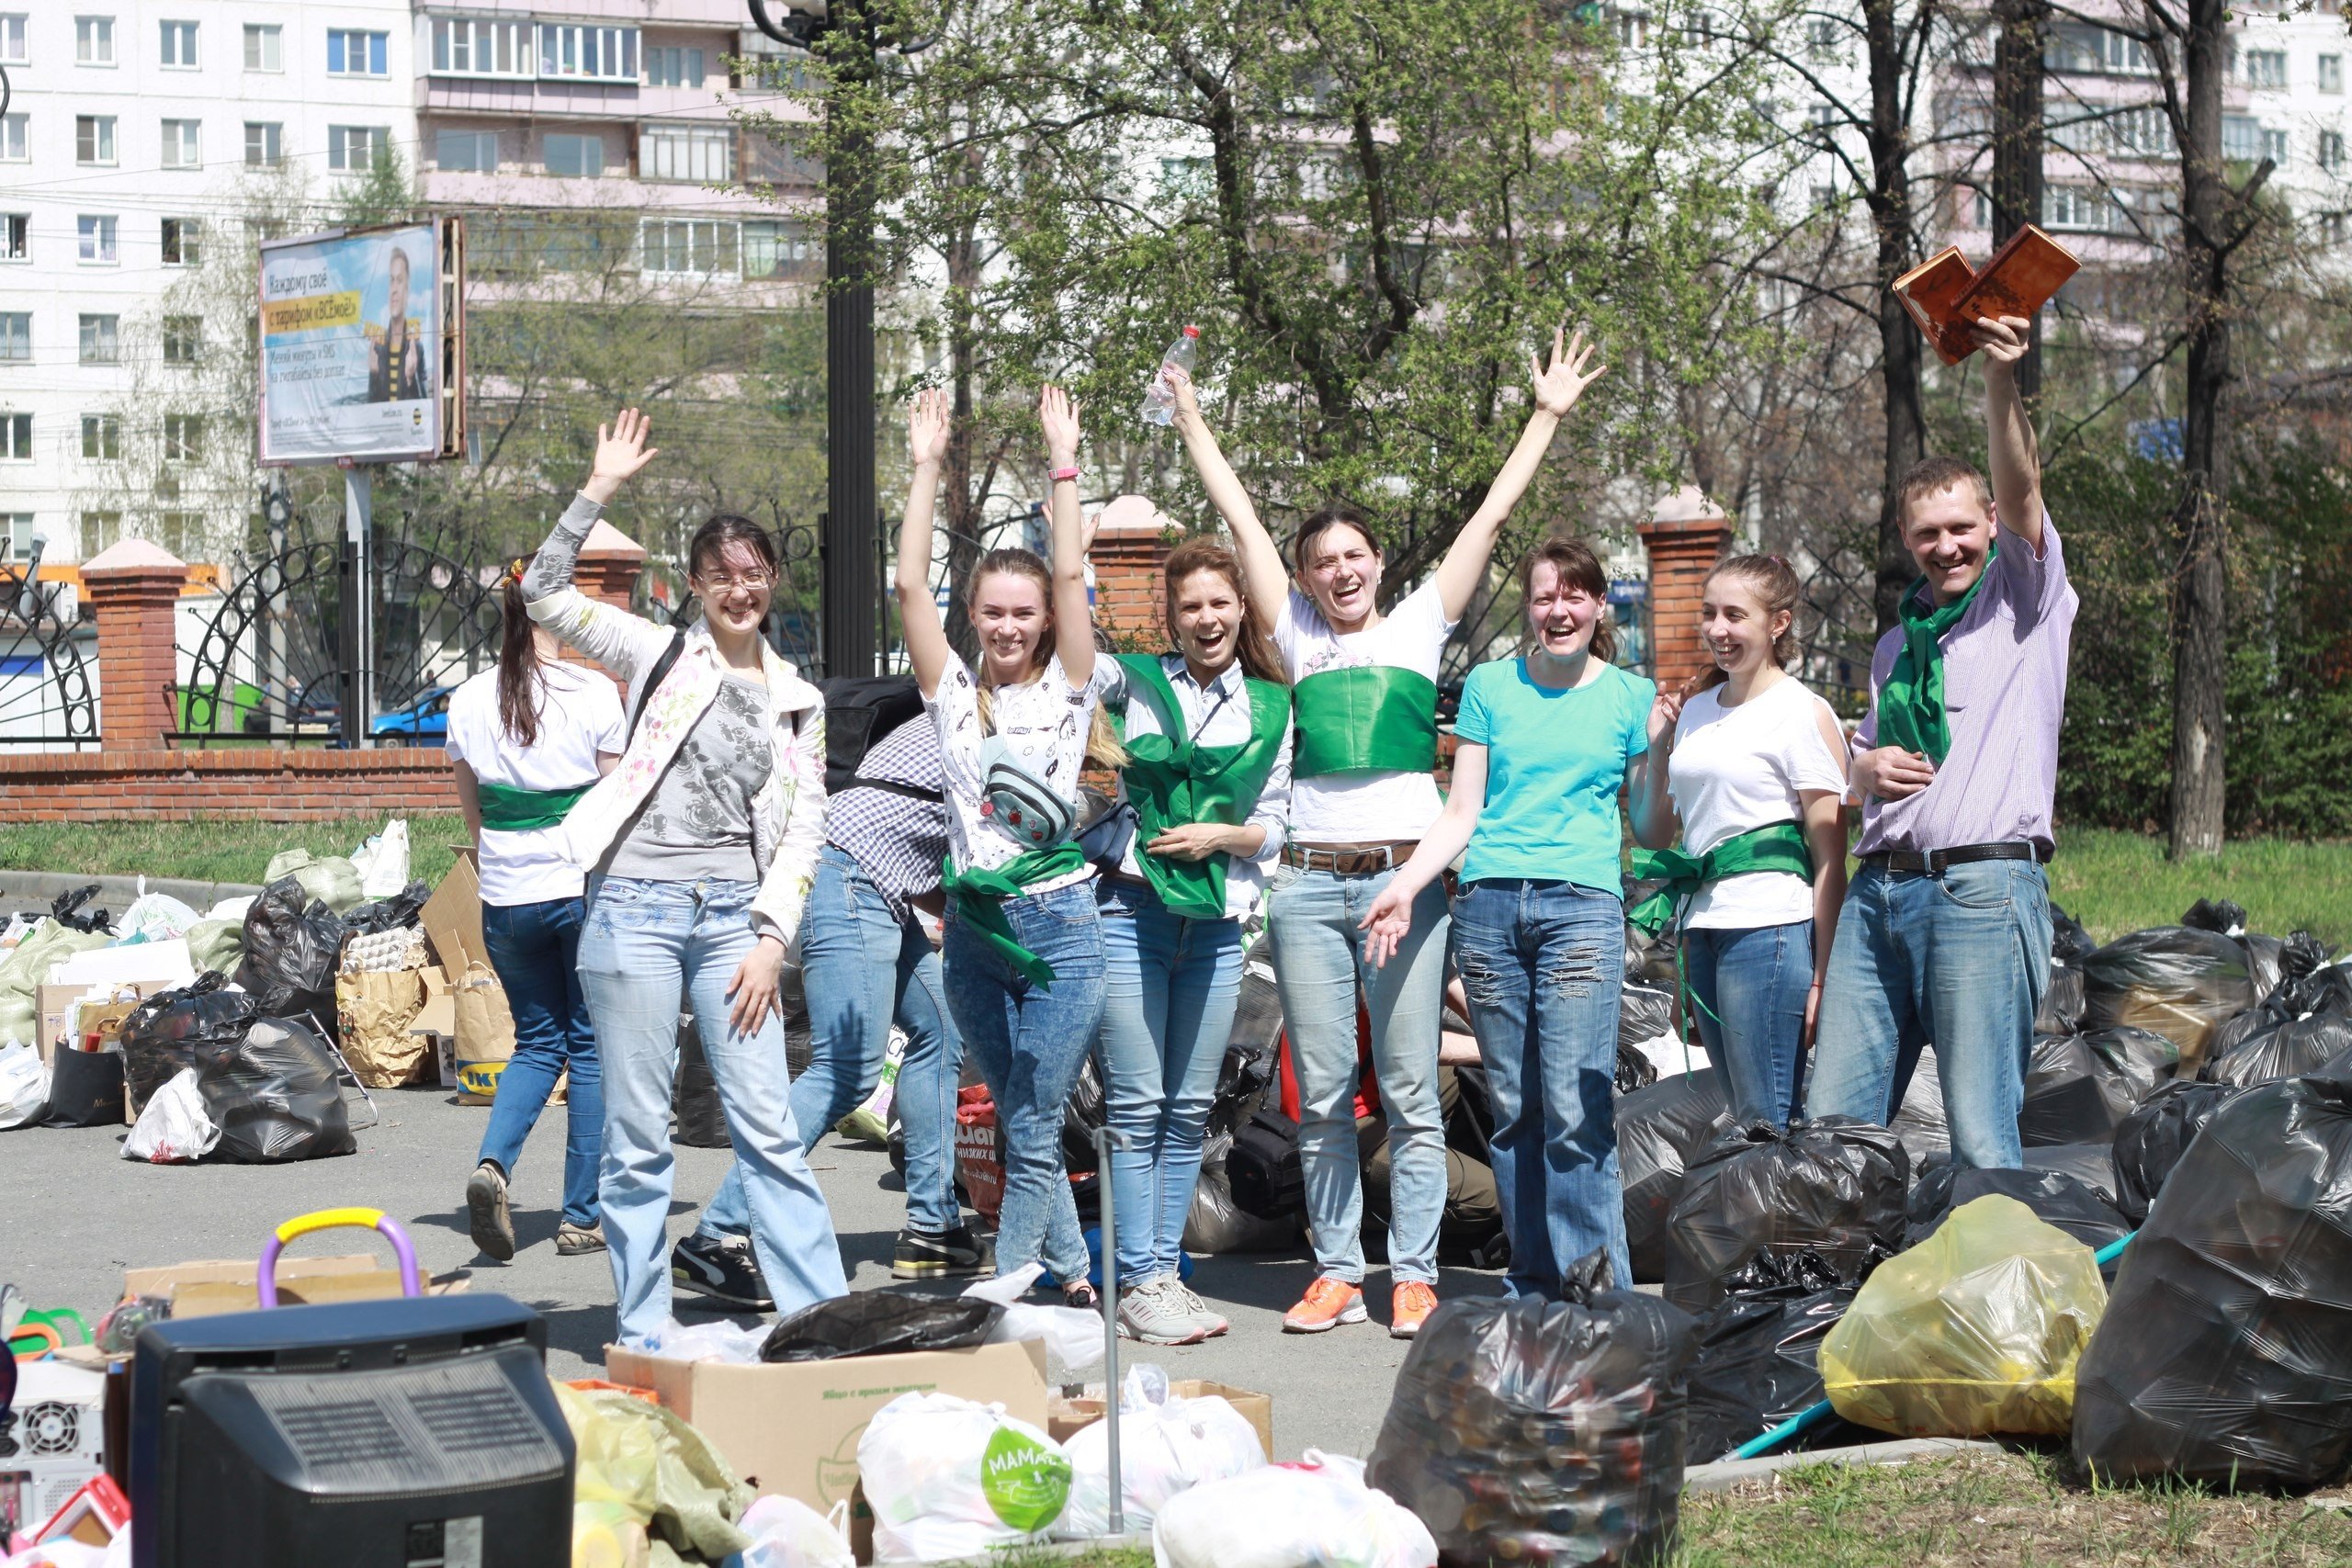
424	722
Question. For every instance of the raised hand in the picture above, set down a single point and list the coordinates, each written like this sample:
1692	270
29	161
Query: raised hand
2004	339
1059	416
621	451
1179	382
927	426
1665	713
1559	384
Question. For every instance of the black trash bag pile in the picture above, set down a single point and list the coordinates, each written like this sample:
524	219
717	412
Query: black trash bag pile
2079	1088
276	1094
1532	1431
1264	1168
2302	1025
2058	1197
161	1036
2093	1165
2143	1059
2153	1138
1217	1224
293	944
2069	943
694	1096
878	1322
1660	1131
1835	1186
2176	981
66	910
1649	958
1757	1351
2265	955
1243	1081
2225	1355
1645	1011
2316	989
2062	1003
397	913
1919	1121
1084	1112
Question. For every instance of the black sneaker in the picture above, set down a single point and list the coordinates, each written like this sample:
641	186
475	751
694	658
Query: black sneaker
920	1256
723	1271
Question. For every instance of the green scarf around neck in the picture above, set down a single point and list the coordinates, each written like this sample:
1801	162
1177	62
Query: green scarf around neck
1911	712
980	893
1175	781
511	810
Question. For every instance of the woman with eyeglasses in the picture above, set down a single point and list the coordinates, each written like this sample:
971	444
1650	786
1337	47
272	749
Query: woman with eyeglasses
527	740
704	844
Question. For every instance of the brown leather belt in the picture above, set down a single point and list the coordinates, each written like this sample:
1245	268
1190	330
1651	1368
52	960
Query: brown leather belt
1351	860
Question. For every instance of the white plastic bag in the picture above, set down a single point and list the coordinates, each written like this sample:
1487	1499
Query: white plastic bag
24	1085
1316	1514
382	860
173	1128
787	1533
949	1478
1073	1338
714	1341
154	917
1167	1445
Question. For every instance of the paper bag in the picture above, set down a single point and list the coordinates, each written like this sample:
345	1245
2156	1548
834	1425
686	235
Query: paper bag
376	1008
485	1025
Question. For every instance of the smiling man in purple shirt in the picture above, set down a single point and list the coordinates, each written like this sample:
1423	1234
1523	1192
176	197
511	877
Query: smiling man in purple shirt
1944	939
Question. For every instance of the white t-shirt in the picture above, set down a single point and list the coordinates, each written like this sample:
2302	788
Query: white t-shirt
1349	809
1737	769
1044	725
579	717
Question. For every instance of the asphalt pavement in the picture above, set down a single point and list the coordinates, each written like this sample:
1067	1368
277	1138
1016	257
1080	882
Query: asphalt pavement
75	1214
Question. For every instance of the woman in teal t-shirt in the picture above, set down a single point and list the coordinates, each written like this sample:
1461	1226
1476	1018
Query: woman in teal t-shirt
1547	743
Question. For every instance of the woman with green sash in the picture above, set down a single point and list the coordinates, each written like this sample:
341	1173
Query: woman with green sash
526	739
1204	791
1363	792
1755	781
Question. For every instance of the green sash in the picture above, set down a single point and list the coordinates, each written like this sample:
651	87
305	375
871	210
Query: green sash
981	894
520	811
1172	781
1911	705
1374	718
1778	847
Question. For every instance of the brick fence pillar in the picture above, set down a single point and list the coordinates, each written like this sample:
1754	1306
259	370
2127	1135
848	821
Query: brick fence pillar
1130	546
1686	534
134	586
610	563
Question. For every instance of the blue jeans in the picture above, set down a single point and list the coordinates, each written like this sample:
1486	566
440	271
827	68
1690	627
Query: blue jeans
1171	984
536	950
1030	1042
1544	966
1755	981
1960	960
861	966
646	945
1313	918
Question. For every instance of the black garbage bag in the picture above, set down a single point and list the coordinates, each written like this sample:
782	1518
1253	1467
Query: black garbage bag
2093	1165
2069	943
2144	1060
1644	1012
2287	1049
2153	1138
1919	1124
1217	1224
2301	1000
2057	1196
2302	953
1526	1431
1649	958
2264	955
1085	1111
161	1036
878	1322
293	943
1243	1081
66	910
1660	1130
2178	982
1758	1349
396	913
2079	1088
1835	1186
2225	1355
694	1096
275	1093
2062	1003
1258	1008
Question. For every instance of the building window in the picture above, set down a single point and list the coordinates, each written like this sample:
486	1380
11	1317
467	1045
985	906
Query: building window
2274	146
263	143
2330	150
18	528
183	339
264	46
2331	73
12	38
694	154
686	247
779	250
16	437
101	340
671	66
351	149
15	337
476	151
181	533
2241	138
180	144
94	138
101	437
95	237
12	140
351	53
575	157
478	46
587	52
94	40
178	48
2084	208
183	438
183	241
2266	68
15	237
2078	47
100	531
1980	209
2145	132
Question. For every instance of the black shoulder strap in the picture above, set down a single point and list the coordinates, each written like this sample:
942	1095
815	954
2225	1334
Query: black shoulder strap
654	678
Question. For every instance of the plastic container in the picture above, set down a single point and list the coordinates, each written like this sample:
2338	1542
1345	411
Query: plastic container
1159	398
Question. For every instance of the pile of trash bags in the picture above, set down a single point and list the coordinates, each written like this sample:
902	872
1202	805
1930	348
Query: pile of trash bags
1834	1188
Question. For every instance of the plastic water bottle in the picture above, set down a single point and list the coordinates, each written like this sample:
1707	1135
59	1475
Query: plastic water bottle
1159	398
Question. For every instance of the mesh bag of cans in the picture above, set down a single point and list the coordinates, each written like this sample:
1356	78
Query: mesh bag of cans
1532	1431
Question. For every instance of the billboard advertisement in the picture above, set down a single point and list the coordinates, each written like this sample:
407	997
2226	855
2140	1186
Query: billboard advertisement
357	340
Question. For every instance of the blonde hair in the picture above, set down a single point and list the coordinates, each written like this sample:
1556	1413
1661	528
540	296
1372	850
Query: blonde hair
1775	582
1102	746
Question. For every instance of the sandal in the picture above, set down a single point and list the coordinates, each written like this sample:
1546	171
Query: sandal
1082	1296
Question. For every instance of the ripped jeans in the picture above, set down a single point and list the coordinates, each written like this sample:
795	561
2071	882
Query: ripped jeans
1543	965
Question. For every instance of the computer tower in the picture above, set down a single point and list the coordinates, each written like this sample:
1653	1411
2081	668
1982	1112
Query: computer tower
413	1433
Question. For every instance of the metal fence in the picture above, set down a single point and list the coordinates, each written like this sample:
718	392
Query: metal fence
48	699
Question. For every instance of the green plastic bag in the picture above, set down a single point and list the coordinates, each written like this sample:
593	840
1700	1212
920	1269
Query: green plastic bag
331	880
217	944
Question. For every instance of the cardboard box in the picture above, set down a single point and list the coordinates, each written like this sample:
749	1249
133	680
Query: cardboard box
1066	1415
452	917
202	1289
52	1002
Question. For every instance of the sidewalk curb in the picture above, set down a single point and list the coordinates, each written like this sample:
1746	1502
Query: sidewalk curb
1726	1473
31	889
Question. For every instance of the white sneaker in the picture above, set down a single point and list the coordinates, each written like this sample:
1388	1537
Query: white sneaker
1156	1314
1199	1310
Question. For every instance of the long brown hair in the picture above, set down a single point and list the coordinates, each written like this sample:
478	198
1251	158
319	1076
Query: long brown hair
1574	561
1323	521
1102	746
1251	645
522	679
1776	584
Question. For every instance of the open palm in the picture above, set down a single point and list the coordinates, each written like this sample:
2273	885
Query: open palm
621	450
927	427
1059	417
1561	383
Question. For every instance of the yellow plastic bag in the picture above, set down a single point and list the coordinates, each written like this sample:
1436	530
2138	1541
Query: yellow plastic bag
613	1479
1977	1330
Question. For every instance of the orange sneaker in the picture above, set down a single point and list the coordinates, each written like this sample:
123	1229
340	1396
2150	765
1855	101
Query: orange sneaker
1408	1308
1328	1303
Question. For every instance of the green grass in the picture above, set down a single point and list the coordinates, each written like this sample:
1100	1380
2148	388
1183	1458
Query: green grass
2115	883
211	851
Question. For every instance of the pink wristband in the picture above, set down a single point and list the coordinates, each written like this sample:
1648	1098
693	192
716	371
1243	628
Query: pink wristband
1061	474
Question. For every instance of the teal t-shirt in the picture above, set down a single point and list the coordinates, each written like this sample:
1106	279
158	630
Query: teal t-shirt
1555	766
